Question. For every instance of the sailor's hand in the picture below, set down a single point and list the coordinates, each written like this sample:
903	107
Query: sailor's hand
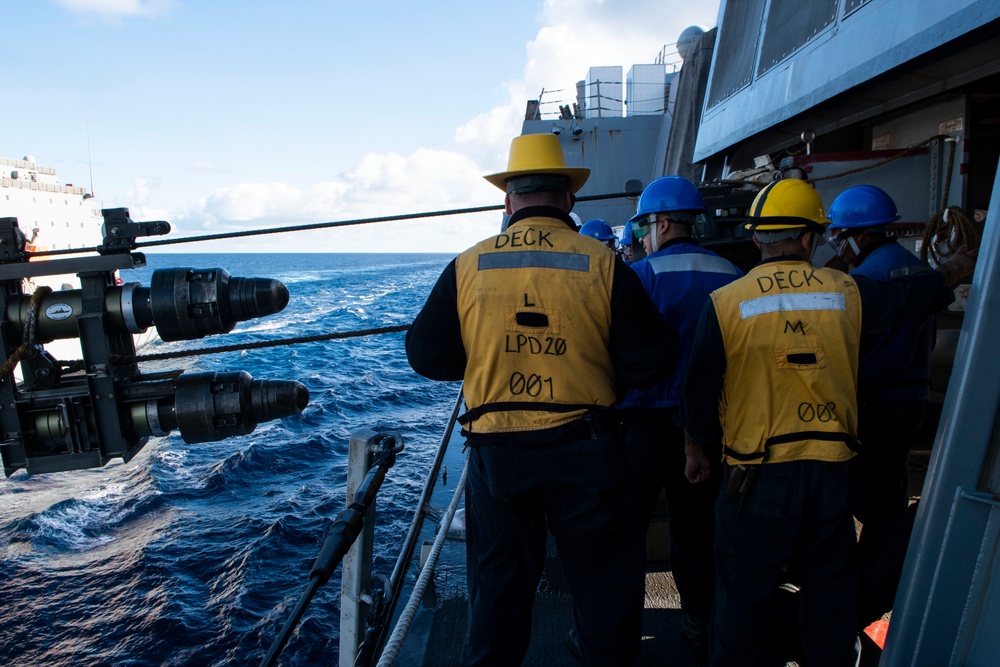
959	265
697	468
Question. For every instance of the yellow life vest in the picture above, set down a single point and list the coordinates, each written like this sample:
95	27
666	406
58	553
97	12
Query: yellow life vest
535	310
791	335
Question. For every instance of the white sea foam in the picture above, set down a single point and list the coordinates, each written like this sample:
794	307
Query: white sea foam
90	520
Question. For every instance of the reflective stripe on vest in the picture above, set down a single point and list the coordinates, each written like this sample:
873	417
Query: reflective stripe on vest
692	262
785	303
536	325
789	392
524	259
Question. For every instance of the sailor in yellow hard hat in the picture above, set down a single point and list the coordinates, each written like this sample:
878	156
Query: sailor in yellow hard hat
773	375
786	209
537	158
544	325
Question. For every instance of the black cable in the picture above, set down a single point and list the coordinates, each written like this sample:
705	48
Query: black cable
219	349
313	226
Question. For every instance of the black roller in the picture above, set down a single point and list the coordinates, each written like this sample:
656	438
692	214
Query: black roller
256	297
192	303
274	399
212	406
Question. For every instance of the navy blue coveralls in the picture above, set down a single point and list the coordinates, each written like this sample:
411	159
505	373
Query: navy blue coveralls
569	480
679	277
797	517
893	388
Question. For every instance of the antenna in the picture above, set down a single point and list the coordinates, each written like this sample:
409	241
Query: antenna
90	161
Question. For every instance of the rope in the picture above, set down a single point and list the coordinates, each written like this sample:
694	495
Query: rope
127	359
30	324
903	153
912	149
950	228
395	641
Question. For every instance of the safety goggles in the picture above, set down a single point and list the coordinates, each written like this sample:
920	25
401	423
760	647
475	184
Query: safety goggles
836	239
640	230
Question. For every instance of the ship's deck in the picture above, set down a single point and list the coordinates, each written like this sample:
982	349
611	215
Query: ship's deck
438	630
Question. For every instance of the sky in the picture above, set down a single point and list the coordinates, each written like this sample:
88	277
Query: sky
227	115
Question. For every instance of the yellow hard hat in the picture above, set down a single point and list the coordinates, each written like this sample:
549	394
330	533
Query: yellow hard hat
790	203
538	154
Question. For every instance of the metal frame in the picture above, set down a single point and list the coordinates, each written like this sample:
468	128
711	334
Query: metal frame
948	605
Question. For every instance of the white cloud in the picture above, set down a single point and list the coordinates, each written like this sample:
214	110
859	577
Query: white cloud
139	192
486	138
575	35
380	185
248	202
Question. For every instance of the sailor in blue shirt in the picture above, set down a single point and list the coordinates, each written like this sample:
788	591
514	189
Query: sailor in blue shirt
679	275
893	366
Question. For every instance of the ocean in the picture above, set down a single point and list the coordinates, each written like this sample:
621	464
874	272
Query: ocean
195	554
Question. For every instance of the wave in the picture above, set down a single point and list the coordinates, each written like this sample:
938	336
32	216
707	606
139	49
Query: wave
193	554
90	520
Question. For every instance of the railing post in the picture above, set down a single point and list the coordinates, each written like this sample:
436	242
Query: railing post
357	566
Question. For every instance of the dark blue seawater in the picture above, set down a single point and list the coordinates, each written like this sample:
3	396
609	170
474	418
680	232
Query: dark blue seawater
194	554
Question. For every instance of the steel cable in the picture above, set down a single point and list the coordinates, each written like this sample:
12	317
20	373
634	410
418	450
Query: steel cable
316	225
219	349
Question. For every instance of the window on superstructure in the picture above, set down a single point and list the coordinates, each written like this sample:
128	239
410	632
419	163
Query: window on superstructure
735	48
851	5
790	24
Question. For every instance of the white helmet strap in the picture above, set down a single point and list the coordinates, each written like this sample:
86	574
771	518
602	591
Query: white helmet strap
854	245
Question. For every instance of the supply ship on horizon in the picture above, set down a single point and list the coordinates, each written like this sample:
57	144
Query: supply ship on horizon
53	215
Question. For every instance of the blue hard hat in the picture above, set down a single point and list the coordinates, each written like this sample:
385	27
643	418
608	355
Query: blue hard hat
627	234
669	193
862	206
598	229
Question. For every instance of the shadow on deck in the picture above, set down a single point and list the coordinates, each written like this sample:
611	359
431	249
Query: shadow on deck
438	631
551	620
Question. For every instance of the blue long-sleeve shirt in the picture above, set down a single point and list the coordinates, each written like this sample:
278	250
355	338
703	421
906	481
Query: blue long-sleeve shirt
894	365
678	277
